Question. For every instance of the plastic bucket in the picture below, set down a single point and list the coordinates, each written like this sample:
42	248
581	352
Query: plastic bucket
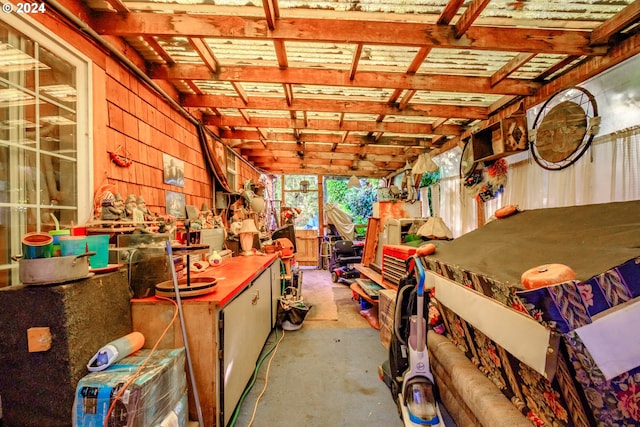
57	251
98	243
37	245
73	245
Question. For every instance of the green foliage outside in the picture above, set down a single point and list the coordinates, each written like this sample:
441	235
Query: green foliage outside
357	202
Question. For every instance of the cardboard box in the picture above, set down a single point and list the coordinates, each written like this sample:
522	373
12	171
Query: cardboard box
152	395
386	313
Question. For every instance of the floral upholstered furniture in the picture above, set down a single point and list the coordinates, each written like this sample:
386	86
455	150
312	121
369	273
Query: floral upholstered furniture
549	350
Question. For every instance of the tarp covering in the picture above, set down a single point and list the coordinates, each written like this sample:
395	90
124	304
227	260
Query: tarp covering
590	239
341	220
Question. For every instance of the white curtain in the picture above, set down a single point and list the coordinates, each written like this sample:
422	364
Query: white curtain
608	172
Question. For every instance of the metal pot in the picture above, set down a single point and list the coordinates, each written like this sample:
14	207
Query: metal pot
56	270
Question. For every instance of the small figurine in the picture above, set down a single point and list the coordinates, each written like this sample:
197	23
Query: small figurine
142	207
131	210
112	208
203	215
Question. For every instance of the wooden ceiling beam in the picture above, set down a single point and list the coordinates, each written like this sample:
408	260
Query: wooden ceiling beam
354	61
194	87
315	155
588	68
245	116
288	96
281	53
324	159
134	24
324	142
418	60
335	106
271	12
153	44
472	13
620	21
510	67
406	98
558	66
326	169
241	93
332	125
367	79
449	12
118	6
205	53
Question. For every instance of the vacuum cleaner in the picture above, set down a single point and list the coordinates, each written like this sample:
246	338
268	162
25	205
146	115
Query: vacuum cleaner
417	402
407	372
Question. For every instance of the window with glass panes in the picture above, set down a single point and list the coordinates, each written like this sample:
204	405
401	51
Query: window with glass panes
44	140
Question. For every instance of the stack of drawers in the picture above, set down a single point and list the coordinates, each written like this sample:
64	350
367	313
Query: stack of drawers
394	263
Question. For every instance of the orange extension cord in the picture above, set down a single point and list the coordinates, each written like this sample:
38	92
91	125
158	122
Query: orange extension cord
143	364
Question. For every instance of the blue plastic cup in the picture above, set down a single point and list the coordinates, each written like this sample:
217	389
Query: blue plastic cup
98	243
73	245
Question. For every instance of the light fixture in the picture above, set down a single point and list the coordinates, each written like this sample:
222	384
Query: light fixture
354	182
245	234
304	186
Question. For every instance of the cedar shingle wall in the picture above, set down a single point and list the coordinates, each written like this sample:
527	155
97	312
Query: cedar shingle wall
129	116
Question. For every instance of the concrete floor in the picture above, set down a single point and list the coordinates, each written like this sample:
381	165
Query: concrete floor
324	374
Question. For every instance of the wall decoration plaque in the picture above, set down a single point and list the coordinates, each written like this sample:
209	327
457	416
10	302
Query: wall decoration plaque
564	128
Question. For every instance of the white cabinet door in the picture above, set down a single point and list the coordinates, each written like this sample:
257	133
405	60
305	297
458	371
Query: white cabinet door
276	290
246	327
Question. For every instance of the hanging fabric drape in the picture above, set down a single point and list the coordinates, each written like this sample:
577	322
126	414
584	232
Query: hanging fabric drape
341	220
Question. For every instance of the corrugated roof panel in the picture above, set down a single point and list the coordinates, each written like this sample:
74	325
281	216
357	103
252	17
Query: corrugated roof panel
140	45
530	13
321	115
280	114
371	6
243	52
342	92
179	49
470	99
467	62
392	118
544	10
214	87
536	66
319	55
263	89
360	117
233	112
386	58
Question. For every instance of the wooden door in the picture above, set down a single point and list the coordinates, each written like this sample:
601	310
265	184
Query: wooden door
307	247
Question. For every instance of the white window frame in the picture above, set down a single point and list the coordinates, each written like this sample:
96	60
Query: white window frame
33	30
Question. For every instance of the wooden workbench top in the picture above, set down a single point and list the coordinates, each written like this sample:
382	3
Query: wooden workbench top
232	277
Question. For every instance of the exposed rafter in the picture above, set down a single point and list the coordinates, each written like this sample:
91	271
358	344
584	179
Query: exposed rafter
366	89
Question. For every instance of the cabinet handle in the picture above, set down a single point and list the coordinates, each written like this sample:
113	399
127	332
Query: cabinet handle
255	298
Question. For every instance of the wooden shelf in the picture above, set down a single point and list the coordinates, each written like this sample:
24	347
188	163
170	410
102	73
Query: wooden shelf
375	276
506	137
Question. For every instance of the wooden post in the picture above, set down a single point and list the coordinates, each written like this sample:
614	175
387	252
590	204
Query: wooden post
481	215
321	219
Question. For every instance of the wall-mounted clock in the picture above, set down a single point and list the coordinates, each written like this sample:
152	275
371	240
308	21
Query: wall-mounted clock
564	128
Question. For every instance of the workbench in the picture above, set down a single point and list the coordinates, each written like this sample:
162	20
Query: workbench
226	330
